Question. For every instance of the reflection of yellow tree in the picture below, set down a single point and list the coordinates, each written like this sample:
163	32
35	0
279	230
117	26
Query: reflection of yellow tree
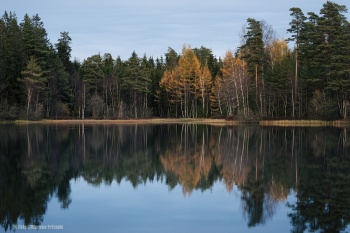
278	191
231	87
232	155
188	158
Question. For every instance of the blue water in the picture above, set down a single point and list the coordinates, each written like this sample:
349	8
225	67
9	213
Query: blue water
173	178
152	207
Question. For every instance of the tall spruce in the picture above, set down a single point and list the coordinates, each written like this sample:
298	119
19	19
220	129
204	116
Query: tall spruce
64	50
253	52
296	25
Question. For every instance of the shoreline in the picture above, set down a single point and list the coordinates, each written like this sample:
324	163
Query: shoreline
135	121
208	121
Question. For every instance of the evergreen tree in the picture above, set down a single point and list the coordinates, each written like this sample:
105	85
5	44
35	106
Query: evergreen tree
35	40
60	91
117	102
64	50
76	83
92	75
296	24
136	85
206	57
11	61
156	69
335	59
171	59
253	51
108	84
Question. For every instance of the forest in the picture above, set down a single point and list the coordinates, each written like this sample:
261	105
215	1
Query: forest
305	76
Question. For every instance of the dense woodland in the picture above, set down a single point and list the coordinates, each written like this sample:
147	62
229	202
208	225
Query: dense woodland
263	78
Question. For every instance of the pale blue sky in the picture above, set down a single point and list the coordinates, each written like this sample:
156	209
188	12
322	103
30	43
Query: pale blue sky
150	26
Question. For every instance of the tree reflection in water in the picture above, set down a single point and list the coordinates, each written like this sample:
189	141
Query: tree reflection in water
37	163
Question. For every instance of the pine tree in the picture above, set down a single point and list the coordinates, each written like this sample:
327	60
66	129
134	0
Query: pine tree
253	51
297	25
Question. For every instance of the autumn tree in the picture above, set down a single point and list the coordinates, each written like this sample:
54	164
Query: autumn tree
170	82
189	68
204	86
188	85
231	88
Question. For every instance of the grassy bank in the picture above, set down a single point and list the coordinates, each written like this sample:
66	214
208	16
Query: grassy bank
304	123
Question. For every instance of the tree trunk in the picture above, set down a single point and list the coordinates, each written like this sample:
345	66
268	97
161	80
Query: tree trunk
296	80
29	97
83	104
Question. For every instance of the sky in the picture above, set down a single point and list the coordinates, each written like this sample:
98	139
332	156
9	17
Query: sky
149	27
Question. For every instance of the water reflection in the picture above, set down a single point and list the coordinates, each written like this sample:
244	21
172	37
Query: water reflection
266	164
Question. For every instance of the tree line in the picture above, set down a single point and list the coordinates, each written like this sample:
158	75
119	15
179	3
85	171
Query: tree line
264	78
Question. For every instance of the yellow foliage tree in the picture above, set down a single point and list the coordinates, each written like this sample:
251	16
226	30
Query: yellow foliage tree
231	88
187	84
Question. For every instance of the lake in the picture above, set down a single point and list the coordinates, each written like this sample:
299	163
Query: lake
174	178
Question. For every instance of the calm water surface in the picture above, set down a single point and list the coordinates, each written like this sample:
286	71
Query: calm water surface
173	178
